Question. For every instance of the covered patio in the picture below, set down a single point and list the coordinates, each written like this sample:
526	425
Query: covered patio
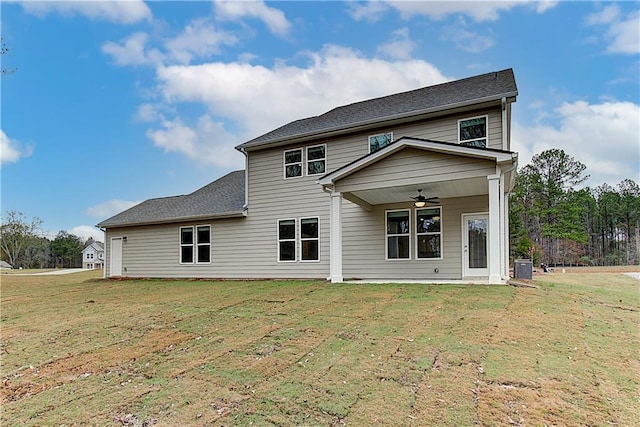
392	176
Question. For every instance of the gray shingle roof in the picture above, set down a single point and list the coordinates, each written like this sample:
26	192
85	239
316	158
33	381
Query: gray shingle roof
494	85
223	197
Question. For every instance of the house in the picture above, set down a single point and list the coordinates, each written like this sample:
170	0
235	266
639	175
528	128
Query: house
93	256
410	186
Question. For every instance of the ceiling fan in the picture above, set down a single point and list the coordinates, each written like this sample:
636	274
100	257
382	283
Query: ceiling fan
420	201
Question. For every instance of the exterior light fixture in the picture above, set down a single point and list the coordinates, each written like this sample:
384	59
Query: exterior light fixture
420	201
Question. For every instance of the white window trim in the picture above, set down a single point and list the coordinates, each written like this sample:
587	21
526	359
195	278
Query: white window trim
441	233
377	134
324	159
181	245
387	235
486	116
285	164
294	240
309	239
196	244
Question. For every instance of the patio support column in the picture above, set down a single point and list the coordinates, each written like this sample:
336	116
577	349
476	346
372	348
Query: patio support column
504	243
335	236
495	255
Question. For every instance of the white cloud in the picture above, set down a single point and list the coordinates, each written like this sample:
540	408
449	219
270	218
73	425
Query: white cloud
199	38
117	11
371	11
246	93
478	10
132	51
465	39
148	113
86	231
622	33
273	18
11	150
207	142
602	136
607	15
401	45
624	36
109	208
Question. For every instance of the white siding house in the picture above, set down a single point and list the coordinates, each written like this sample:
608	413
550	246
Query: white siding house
336	197
93	256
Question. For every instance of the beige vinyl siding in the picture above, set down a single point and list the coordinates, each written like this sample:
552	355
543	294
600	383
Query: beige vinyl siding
240	248
411	165
272	198
445	129
364	251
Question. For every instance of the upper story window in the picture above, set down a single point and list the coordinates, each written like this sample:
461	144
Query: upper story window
378	142
473	131
293	163
316	159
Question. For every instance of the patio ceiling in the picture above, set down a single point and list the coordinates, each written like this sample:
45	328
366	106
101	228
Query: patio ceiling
399	194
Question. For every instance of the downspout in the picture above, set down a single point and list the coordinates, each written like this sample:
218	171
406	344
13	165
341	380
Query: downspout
106	247
245	207
504	124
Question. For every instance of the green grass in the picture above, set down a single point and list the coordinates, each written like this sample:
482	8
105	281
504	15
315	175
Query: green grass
81	350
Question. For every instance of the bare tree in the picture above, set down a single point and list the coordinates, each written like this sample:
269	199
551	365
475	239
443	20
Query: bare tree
3	50
16	232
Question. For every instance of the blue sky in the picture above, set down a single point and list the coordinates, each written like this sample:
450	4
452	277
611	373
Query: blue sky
113	102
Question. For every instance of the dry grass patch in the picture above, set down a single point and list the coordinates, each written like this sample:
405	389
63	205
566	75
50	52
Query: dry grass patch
80	350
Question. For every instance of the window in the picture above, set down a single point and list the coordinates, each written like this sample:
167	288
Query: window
316	159
429	233
309	239
186	245
287	240
378	142
203	234
195	247
398	235
473	132
293	163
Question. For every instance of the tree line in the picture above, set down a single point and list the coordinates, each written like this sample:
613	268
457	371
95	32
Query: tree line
22	244
555	222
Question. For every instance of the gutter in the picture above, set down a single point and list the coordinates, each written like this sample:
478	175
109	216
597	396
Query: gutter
245	207
222	215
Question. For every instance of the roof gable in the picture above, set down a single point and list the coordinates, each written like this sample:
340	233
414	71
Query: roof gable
482	88
221	198
498	156
95	247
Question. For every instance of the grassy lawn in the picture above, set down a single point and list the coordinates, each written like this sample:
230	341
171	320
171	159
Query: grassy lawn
77	349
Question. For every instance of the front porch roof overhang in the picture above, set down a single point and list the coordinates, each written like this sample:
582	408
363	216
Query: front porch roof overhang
400	188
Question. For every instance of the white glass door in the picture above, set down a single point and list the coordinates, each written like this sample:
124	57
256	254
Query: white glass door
475	231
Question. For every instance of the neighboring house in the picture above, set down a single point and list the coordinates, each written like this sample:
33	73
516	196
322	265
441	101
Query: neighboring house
332	197
5	265
93	256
